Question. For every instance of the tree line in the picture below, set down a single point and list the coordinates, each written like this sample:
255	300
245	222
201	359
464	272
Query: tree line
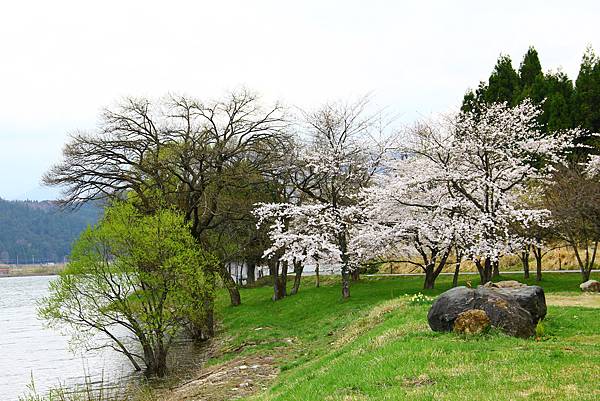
38	232
193	185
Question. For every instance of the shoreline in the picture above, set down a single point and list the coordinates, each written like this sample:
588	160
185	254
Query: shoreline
42	271
7	271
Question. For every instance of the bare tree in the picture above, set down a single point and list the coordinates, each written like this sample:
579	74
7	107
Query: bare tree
179	149
574	201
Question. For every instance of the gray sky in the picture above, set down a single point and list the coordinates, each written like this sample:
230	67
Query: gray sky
62	61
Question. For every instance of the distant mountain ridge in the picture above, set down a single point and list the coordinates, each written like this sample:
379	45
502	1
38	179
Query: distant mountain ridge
40	231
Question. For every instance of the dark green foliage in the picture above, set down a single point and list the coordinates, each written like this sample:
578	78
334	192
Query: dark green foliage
503	85
558	107
564	105
474	100
587	93
40	231
531	69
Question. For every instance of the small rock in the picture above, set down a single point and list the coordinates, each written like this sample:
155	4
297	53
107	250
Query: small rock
590	286
505	284
473	321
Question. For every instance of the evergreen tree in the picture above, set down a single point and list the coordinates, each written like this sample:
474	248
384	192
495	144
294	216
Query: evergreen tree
474	100
530	70
503	85
558	106
587	92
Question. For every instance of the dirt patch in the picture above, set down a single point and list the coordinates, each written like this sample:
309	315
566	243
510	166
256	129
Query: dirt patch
419	381
583	300
237	378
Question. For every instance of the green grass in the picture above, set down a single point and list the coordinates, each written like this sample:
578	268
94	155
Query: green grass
377	346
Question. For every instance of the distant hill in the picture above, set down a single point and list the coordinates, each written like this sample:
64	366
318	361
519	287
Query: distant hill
39	231
39	193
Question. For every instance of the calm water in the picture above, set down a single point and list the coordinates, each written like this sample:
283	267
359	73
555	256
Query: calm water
28	348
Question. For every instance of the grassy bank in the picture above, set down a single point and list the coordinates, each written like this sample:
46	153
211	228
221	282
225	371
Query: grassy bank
377	346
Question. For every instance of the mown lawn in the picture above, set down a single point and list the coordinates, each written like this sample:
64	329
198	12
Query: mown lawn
377	346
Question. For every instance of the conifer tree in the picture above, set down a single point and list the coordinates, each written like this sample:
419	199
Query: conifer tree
531	69
503	85
587	92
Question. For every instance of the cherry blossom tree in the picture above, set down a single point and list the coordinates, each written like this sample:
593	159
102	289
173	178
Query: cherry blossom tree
408	217
486	161
339	156
459	184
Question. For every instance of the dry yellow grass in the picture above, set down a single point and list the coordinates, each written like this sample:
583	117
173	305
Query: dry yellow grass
583	300
556	259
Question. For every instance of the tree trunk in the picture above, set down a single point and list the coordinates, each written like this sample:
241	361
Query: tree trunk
495	269
345	283
525	262
279	280
274	268
429	278
356	274
456	271
250	272
157	365
317	283
230	284
345	266
459	256
537	251
585	274
485	270
298	269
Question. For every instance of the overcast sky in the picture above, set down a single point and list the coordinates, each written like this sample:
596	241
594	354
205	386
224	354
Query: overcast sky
62	61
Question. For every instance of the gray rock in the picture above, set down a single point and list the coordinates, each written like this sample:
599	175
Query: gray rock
515	311
590	286
531	298
505	284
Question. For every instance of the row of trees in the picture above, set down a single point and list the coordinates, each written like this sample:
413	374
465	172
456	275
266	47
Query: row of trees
196	185
459	184
564	104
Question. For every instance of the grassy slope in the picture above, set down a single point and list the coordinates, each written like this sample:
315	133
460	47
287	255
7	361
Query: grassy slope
377	346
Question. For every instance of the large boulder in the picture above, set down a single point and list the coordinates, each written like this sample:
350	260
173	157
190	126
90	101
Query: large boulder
515	310
590	286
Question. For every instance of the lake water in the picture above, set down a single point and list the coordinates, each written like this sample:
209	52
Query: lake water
28	348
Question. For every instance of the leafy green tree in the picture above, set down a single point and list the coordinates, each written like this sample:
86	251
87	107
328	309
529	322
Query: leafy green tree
133	276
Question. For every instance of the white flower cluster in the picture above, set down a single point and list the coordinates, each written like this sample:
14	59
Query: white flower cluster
419	299
458	183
